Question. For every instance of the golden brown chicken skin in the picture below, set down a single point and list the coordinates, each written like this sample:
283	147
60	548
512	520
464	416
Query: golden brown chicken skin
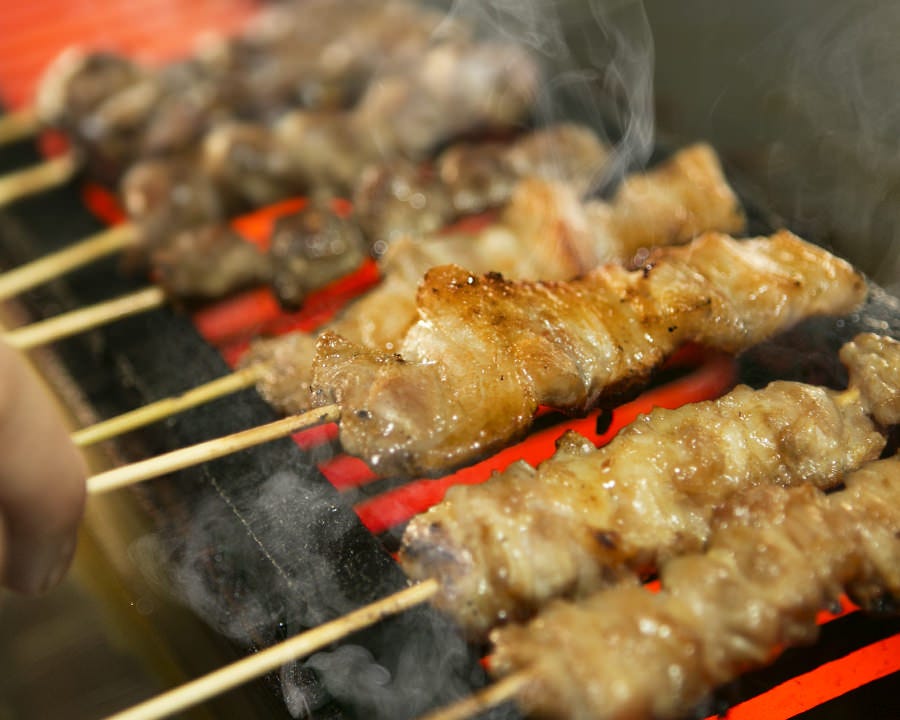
774	560
486	352
546	231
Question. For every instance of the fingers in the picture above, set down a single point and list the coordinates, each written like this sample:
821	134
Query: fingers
42	482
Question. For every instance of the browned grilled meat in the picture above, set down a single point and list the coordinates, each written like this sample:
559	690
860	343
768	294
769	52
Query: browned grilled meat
308	54
486	352
589	517
403	199
876	362
245	164
75	83
545	232
681	198
209	262
774	560
310	249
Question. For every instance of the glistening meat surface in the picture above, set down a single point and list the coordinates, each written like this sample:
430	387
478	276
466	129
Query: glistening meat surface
589	518
775	558
486	352
544	232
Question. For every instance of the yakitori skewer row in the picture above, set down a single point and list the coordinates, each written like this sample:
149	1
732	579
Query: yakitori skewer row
712	291
467	86
629	653
849	424
545	231
115	111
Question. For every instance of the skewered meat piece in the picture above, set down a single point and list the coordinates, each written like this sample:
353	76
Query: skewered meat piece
310	249
162	197
545	232
588	517
301	53
398	200
486	352
209	262
877	364
246	164
76	82
772	562
403	199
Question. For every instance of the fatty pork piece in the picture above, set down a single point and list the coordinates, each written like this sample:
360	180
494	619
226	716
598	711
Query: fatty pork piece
774	560
544	232
589	518
486	352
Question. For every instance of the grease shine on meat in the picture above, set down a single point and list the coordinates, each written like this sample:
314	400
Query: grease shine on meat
486	352
546	231
589	518
775	559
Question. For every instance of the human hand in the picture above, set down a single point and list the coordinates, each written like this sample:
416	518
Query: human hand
42	482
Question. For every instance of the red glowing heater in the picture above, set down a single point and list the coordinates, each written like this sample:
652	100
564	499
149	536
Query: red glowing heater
824	683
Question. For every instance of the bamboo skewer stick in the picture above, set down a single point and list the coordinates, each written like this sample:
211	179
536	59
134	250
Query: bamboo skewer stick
254	666
166	407
209	450
491	696
71	323
51	266
33	180
18	125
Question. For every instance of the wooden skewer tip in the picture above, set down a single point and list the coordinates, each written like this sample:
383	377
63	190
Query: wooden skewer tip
167	407
495	694
56	264
254	666
210	450
33	180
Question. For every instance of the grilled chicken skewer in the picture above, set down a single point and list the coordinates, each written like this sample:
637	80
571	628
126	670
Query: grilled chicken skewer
629	653
545	231
467	86
115	111
809	301
588	518
813	545
491	350
863	500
